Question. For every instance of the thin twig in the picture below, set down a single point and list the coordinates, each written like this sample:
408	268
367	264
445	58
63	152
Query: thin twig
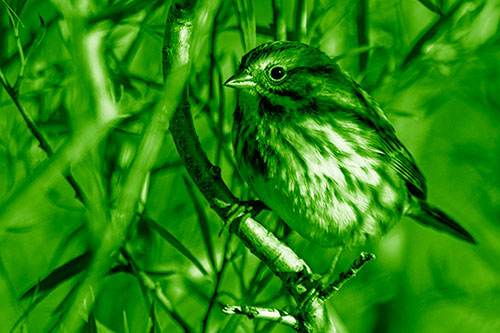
33	40
218	280
253	312
20	76
156	290
43	142
343	278
26	117
430	33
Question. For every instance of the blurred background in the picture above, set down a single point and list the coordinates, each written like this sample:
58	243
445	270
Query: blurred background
434	67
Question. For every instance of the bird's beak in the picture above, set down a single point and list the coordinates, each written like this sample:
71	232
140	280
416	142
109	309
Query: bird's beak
241	80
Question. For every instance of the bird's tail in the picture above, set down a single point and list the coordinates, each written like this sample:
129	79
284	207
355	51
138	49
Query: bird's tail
433	217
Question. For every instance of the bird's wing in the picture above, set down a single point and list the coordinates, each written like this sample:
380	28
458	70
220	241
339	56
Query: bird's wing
400	158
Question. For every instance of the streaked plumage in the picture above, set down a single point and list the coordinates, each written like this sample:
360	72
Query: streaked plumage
318	150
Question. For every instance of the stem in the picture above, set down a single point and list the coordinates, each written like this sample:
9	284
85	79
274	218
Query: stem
300	20
362	23
26	117
273	315
218	280
279	20
430	33
156	289
246	18
20	75
218	128
317	38
343	278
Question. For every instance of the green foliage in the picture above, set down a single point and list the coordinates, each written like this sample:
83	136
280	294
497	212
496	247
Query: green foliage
432	65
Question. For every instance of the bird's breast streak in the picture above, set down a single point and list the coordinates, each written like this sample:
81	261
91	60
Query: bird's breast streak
321	178
322	193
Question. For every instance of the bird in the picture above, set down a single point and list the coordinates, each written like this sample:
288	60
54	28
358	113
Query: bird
320	152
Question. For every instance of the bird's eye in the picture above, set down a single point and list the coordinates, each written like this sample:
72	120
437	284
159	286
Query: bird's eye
277	73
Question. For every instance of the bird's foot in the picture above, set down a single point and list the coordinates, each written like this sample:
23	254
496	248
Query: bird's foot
241	211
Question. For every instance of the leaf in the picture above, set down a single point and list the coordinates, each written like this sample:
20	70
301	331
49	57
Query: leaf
152	323
262	283
126	329
12	13
203	221
90	326
68	299
197	290
246	19
321	35
431	6
60	274
161	274
37	298
121	269
174	242
38	39
429	34
64	244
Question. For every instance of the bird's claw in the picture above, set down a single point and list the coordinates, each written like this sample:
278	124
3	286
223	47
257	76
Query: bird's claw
240	211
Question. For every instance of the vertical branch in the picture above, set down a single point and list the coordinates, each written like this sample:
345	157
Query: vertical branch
178	32
252	26
300	20
246	16
279	20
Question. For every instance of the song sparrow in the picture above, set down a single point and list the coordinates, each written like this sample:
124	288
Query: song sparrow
319	151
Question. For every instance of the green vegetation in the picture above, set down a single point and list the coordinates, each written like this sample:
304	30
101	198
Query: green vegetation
102	229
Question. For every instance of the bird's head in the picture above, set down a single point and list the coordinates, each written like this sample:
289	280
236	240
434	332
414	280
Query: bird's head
284	73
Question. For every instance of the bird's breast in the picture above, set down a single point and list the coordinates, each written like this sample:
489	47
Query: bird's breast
323	178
